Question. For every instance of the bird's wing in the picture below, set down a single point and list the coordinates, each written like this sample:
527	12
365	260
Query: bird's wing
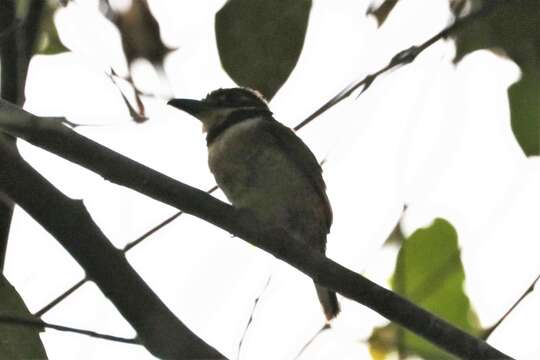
303	159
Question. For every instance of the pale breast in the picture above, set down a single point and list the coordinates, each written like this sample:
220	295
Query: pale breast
230	158
254	172
233	141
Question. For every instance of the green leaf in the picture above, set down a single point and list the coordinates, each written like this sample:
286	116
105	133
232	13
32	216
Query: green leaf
524	97
260	41
17	341
428	272
49	42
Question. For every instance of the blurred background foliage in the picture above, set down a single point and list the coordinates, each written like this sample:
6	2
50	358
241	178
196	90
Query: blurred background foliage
428	272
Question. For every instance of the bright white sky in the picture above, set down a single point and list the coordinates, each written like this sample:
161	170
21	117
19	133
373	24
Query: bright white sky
429	134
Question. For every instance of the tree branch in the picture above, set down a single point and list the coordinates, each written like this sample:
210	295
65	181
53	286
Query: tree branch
487	332
59	139
251	317
61	297
130	245
403	57
35	323
323	328
9	90
29	37
9	54
16	49
69	222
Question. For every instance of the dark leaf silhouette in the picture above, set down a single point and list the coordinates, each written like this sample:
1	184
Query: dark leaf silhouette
260	41
511	30
382	11
17	341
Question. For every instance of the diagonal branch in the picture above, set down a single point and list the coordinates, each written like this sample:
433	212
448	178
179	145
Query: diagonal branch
323	328
403	57
126	248
61	297
130	245
70	223
251	317
35	323
59	139
16	45
487	332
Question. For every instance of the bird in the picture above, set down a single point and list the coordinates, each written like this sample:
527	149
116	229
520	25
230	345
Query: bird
262	166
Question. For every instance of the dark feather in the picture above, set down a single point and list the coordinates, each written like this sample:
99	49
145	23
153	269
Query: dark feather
234	118
303	158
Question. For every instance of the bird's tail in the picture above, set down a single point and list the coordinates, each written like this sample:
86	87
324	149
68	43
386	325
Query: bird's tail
328	301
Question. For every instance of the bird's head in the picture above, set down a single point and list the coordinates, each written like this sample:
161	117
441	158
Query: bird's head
220	104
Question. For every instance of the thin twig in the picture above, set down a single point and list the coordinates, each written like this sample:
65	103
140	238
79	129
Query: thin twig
403	57
138	115
325	327
250	320
60	298
493	327
81	282
159	226
126	248
36	323
132	244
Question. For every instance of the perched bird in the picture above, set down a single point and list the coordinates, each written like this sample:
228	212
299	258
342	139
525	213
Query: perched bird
262	166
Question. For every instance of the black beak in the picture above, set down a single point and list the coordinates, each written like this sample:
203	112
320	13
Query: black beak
192	107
